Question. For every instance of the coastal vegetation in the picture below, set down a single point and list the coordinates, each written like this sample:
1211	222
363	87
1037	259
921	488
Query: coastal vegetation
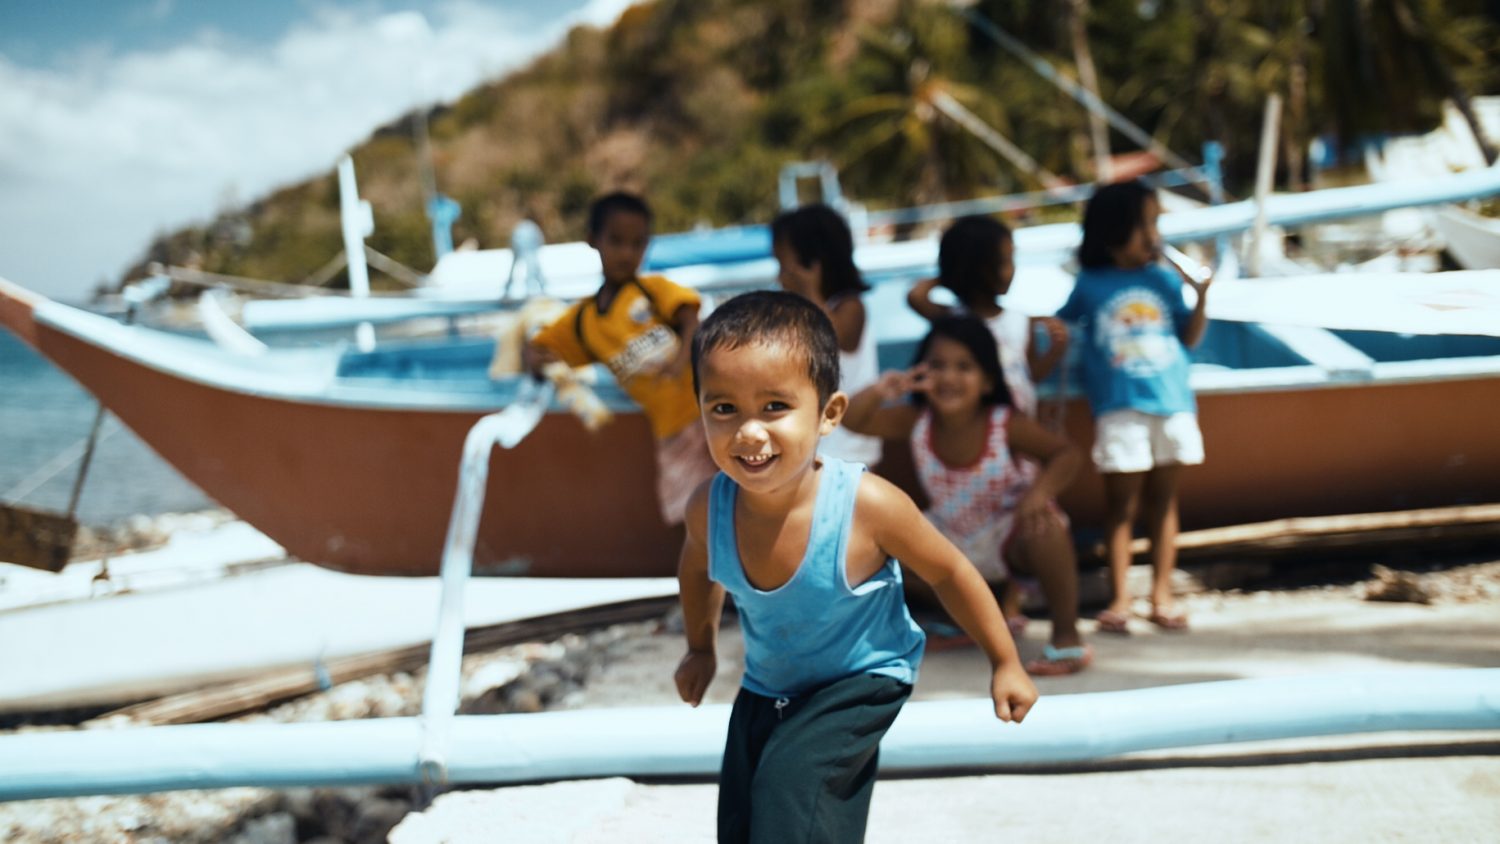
699	103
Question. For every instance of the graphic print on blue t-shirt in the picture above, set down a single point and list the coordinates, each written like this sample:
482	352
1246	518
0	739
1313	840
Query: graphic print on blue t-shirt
1132	356
1134	329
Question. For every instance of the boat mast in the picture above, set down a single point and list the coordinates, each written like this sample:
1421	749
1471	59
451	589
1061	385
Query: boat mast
358	223
441	210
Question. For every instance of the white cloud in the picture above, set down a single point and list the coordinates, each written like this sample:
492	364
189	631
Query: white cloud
101	156
154	11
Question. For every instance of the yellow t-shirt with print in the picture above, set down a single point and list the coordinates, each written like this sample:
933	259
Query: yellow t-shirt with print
634	336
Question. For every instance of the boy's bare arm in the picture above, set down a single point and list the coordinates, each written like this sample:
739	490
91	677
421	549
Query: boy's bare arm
904	533
702	605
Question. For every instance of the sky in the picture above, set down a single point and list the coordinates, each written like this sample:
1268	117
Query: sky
123	120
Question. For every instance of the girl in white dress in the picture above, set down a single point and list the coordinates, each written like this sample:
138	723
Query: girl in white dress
976	262
815	251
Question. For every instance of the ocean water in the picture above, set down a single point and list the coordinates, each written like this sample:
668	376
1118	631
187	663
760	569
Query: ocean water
44	421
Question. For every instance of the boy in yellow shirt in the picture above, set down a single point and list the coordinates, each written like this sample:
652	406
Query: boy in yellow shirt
641	327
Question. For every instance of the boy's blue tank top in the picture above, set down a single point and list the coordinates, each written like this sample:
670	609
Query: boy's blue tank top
815	628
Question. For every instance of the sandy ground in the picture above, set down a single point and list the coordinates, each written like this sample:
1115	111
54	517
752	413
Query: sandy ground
1378	787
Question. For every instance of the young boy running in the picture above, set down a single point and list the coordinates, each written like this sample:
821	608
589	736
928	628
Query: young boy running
805	545
641	327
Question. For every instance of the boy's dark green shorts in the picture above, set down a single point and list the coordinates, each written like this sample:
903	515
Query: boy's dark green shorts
802	769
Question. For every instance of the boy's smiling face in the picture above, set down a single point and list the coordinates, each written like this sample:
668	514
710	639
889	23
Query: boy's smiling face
762	415
621	242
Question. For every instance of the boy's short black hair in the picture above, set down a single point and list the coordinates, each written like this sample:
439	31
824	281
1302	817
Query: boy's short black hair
773	317
973	334
614	203
969	256
818	234
1111	217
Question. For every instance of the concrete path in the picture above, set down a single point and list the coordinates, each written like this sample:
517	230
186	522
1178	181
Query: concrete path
1383	787
1446	799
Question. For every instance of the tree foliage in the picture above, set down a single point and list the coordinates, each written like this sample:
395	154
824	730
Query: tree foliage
698	103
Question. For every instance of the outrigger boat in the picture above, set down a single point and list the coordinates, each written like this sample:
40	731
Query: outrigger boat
1321	395
1470	237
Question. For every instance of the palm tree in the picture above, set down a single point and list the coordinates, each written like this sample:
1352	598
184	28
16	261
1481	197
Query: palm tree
1387	66
1285	68
1428	49
919	131
1188	70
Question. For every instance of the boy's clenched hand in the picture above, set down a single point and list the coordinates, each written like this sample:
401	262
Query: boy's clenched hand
1013	692
694	673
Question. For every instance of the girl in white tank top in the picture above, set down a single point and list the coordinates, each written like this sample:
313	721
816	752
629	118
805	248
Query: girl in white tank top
976	261
815	251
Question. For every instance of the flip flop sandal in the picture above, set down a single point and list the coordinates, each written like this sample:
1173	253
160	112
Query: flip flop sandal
1169	621
1057	662
1110	621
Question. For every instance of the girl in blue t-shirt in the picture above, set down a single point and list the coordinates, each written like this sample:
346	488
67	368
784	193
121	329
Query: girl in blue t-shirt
1135	330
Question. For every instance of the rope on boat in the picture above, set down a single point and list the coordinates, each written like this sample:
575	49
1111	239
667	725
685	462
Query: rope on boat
1085	97
326	272
1030	199
393	268
955	111
49	470
314	285
203	278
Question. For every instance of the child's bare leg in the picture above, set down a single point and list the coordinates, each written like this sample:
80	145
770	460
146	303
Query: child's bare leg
1010	597
1160	503
1048	556
1122	495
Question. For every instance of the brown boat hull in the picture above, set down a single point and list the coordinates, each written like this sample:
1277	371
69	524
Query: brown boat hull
370	490
1274	454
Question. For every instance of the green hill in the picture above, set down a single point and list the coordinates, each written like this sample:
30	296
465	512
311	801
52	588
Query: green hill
698	103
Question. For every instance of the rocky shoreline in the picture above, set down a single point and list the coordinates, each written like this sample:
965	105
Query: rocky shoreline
529	677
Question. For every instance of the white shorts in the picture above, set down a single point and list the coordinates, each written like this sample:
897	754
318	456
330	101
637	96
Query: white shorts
1132	441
